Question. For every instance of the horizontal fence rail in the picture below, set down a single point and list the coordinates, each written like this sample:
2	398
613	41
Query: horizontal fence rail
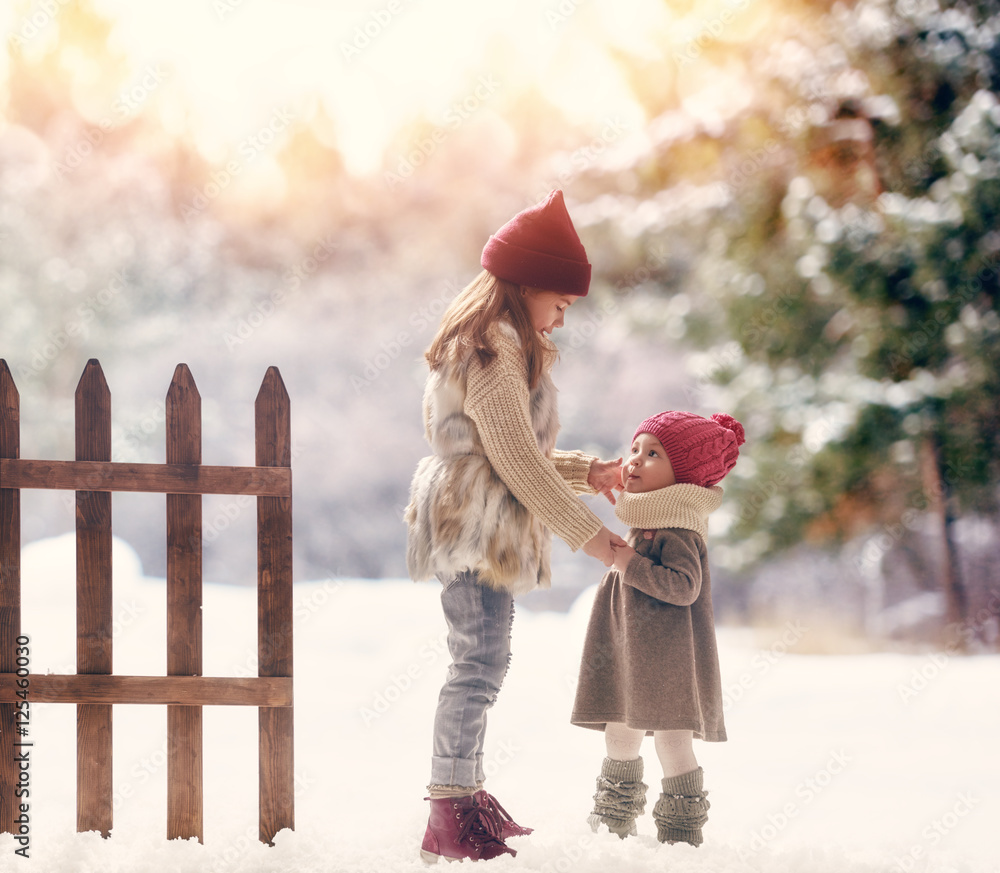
100	476
178	690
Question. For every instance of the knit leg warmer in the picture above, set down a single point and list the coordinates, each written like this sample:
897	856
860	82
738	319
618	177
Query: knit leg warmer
682	809
620	797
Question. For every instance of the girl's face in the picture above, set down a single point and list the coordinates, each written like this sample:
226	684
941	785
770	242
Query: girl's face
648	468
546	308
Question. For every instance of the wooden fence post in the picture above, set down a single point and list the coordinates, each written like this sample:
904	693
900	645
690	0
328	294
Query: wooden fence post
185	798
10	591
274	609
93	605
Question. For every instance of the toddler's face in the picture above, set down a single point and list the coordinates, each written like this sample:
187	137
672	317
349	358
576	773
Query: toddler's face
647	467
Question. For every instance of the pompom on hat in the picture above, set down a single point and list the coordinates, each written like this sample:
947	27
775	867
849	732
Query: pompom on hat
539	247
701	450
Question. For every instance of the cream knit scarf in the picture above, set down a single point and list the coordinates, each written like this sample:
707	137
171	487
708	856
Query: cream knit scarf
686	506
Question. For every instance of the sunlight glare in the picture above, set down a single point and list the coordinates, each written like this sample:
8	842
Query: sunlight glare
379	68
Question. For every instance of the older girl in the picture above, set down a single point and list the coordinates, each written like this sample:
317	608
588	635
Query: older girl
482	505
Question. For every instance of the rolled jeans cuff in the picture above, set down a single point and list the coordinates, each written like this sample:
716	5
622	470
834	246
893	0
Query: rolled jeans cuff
457	771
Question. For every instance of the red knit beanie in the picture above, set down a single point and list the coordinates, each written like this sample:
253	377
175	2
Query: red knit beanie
539	247
701	450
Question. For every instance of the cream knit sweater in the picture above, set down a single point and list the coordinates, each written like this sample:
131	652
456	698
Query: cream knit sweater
497	400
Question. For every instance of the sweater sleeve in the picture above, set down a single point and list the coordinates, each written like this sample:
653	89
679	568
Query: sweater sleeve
574	467
497	400
672	573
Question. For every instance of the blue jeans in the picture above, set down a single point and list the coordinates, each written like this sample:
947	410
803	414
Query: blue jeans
479	621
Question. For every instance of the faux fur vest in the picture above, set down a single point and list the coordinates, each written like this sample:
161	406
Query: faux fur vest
461	516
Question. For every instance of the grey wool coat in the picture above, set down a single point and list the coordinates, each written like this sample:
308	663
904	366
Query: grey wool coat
650	658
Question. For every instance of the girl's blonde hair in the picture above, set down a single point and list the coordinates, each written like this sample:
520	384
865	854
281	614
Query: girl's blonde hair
467	321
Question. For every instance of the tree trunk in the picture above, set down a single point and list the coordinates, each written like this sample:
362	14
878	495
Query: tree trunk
938	491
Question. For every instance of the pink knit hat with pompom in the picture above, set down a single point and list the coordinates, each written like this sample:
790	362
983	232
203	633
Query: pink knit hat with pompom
701	450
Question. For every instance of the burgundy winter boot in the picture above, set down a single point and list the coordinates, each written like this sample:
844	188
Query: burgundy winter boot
463	827
509	827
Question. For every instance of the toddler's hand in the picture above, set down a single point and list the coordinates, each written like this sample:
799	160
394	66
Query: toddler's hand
622	556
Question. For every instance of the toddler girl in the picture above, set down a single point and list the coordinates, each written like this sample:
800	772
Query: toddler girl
650	664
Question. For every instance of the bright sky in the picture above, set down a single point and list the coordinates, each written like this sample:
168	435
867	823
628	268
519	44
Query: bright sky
225	66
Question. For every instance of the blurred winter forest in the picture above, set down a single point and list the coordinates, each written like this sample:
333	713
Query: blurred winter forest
791	209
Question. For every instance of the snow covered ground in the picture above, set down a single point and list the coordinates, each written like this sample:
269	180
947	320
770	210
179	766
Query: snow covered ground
883	763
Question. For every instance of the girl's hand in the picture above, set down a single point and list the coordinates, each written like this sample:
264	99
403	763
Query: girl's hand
605	477
622	556
602	545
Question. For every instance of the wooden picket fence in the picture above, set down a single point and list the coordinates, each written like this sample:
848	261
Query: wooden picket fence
94	688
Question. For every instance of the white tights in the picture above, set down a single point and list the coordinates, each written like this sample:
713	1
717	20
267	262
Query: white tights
673	748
